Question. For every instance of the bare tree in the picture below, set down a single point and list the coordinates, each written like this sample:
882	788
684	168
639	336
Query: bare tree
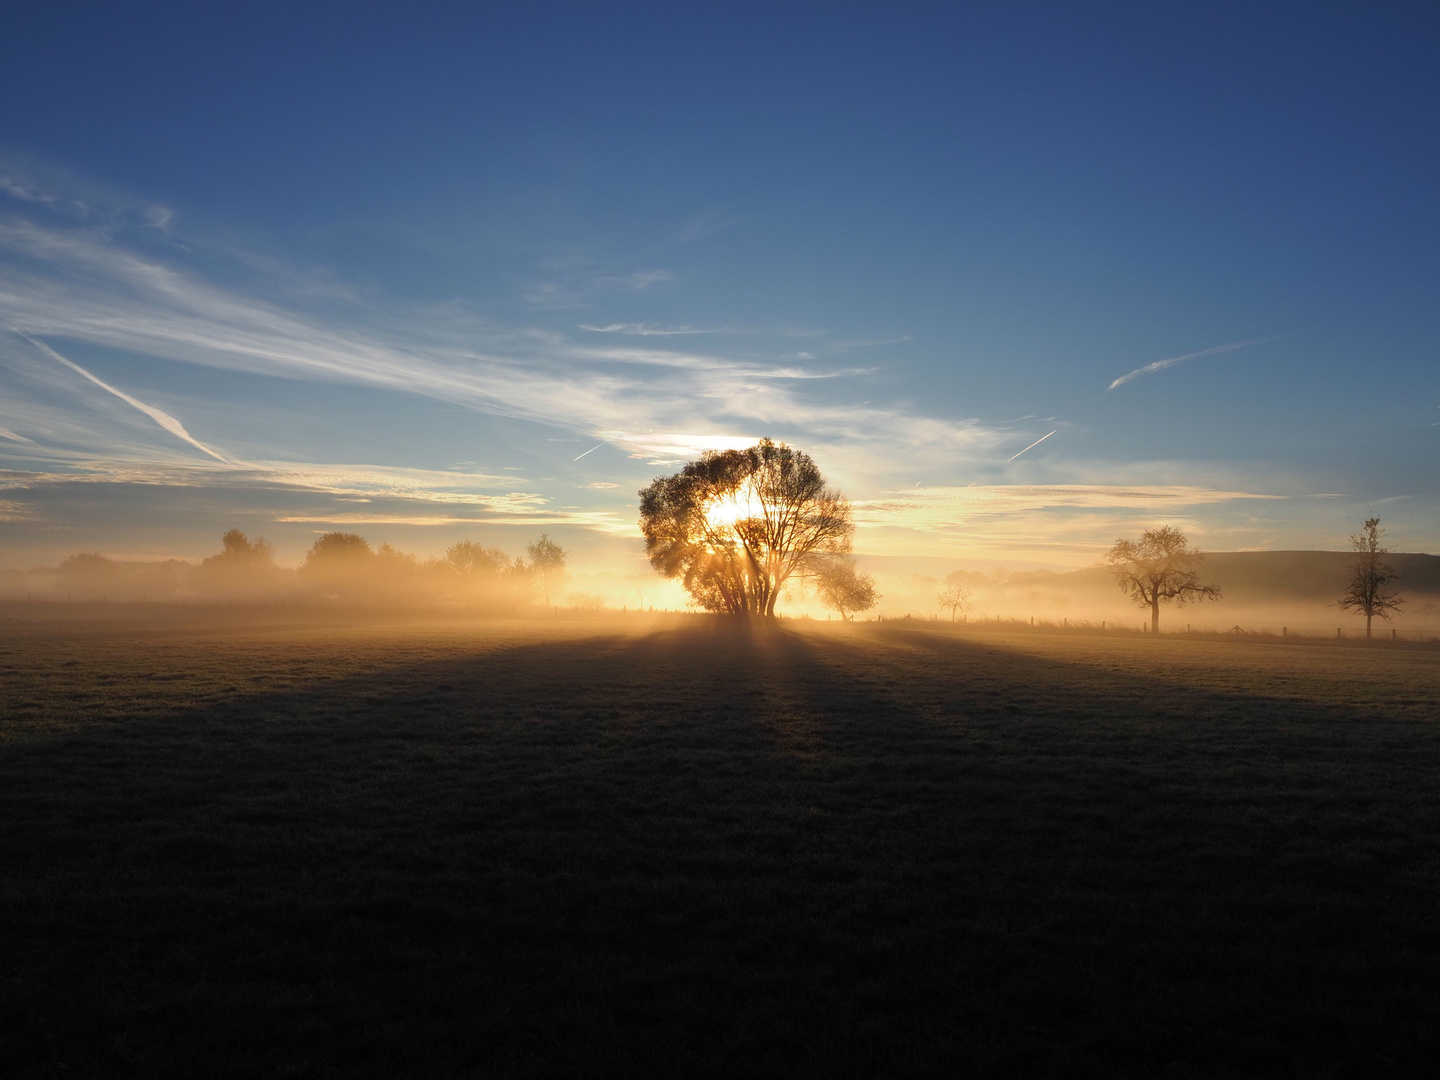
1368	592
738	525
1159	568
955	598
843	590
547	564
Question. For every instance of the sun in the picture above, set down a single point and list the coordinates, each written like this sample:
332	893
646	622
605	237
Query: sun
721	514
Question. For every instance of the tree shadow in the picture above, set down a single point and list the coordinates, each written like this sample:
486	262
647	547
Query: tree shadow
733	846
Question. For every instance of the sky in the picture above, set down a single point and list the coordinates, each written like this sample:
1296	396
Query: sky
1021	278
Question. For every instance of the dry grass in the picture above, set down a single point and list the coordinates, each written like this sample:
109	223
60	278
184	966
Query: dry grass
690	846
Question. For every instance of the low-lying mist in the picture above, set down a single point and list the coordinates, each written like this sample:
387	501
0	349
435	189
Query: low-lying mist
340	568
1262	592
1275	592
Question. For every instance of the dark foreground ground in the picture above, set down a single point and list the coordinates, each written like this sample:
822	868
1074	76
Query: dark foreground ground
693	848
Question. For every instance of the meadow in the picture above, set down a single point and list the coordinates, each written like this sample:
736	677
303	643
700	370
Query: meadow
245	843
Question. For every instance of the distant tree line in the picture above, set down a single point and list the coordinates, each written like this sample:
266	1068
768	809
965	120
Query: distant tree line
340	567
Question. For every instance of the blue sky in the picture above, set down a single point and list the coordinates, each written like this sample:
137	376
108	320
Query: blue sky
396	272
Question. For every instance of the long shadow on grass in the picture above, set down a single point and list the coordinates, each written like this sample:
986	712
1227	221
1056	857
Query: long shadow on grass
723	850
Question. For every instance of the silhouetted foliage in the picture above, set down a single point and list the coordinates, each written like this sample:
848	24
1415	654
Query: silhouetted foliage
1159	568
737	526
469	557
338	548
244	569
547	565
1368	591
842	589
89	575
340	565
92	576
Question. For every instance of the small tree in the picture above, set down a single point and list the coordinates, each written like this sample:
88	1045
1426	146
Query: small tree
1368	592
1160	568
547	565
842	589
955	598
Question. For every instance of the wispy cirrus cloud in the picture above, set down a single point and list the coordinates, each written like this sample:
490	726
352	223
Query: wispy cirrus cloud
133	278
1048	521
61	281
865	343
330	492
708	224
940	506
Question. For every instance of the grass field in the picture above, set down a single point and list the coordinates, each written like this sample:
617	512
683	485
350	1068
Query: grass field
685	846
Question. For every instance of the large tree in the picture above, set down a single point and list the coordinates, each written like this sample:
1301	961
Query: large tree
737	526
1159	568
1368	591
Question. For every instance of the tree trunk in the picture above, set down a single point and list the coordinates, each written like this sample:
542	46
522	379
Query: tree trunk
1368	617
1155	616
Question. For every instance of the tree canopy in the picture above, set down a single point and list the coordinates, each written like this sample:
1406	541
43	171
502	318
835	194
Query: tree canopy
1159	568
737	526
470	557
244	568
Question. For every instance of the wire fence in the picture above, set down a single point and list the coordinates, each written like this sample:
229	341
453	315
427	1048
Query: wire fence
1173	628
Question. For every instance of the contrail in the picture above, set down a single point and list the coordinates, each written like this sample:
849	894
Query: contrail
1032	446
1161	365
6	433
591	450
164	419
